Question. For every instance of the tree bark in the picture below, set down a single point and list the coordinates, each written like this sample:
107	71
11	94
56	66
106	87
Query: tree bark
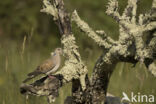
129	48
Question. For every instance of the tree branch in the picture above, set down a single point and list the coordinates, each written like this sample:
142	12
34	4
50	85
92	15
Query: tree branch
85	28
112	10
129	48
74	68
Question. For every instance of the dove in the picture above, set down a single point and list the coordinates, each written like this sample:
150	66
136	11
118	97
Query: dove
48	66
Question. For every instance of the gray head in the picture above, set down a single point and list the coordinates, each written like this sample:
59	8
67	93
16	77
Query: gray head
57	51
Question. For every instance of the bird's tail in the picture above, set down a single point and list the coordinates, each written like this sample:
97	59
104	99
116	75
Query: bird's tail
26	80
31	76
35	73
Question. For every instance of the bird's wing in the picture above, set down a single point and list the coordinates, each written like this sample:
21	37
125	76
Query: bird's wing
46	66
34	73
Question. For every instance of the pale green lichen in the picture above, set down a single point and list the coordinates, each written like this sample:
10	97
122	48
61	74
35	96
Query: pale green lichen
131	32
112	10
129	28
104	35
152	68
149	26
152	43
50	9
89	31
74	68
133	3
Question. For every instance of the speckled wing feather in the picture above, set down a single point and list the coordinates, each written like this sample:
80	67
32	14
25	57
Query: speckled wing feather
45	67
49	66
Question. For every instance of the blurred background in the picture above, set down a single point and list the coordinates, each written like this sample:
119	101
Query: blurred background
27	37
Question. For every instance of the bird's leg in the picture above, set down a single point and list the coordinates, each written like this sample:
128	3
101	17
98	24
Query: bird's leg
50	76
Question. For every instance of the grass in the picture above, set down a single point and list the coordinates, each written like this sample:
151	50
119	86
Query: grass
132	79
15	62
19	58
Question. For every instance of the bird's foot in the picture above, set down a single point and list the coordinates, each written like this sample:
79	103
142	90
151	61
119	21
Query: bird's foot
50	76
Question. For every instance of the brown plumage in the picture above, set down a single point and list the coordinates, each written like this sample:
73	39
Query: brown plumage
48	66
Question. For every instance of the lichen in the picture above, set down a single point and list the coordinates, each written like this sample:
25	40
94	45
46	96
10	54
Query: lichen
152	68
89	31
130	41
130	47
74	67
50	9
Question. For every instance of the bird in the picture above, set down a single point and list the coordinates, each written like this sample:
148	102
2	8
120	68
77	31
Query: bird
48	66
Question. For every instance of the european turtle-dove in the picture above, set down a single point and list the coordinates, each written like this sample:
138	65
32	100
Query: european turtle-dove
49	66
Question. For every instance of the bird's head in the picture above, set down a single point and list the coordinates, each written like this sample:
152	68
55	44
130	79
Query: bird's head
59	51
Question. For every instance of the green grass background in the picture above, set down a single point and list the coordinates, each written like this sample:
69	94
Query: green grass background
21	18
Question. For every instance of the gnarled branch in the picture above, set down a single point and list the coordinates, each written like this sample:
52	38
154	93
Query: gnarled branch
129	48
